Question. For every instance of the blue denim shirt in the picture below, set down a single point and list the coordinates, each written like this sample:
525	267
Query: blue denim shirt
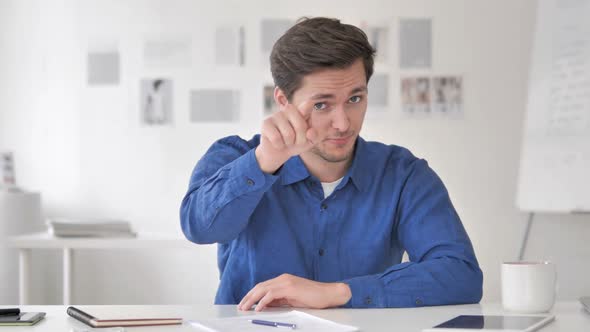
388	202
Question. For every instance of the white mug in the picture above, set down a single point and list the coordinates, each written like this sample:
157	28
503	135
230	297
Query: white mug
528	287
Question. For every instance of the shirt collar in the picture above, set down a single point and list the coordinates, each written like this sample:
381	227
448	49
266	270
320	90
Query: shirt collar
294	170
360	169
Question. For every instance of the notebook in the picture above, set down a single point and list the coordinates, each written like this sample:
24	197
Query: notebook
89	228
304	322
95	322
21	319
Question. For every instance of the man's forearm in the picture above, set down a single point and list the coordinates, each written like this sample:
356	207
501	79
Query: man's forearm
219	209
340	293
441	281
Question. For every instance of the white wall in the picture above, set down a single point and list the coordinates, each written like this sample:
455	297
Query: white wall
84	149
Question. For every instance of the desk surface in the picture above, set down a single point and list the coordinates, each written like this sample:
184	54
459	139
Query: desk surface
143	240
569	316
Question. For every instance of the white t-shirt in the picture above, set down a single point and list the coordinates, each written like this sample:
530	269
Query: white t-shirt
329	187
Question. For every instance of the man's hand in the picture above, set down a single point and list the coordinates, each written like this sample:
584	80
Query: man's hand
285	134
296	292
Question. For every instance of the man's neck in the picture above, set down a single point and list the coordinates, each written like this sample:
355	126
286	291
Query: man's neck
324	170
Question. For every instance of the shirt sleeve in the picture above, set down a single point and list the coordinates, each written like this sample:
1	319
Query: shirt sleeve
225	187
442	269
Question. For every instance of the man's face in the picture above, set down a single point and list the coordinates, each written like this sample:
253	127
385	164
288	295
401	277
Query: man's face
338	98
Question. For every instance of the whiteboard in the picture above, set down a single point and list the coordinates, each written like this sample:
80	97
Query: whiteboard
554	174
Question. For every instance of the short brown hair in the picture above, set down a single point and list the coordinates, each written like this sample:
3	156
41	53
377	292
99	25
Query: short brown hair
317	43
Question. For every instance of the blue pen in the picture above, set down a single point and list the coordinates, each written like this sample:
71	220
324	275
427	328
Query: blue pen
273	324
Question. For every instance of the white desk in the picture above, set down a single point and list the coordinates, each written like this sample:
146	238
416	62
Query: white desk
569	317
25	243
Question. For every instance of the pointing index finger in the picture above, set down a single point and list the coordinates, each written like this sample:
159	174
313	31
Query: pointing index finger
304	108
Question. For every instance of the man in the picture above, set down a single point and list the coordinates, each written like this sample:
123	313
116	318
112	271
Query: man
308	214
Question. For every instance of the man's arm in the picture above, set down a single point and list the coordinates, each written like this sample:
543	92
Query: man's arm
443	268
225	188
230	180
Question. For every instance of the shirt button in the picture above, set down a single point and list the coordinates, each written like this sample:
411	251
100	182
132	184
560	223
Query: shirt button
321	252
323	207
418	302
368	300
250	182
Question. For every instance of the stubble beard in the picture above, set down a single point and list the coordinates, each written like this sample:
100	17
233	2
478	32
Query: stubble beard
332	158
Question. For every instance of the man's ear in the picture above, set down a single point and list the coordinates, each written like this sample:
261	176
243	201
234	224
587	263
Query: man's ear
280	98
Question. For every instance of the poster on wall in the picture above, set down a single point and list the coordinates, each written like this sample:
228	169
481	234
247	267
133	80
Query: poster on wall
270	31
230	46
270	106
167	52
378	38
378	97
8	179
379	90
415	95
447	95
415	43
214	105
103	68
156	101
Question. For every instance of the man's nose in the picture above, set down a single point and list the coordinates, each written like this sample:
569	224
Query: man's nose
340	119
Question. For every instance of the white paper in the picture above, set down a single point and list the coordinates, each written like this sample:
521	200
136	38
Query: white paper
101	329
304	322
570	76
555	156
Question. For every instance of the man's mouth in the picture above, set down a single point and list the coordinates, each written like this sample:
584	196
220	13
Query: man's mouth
340	140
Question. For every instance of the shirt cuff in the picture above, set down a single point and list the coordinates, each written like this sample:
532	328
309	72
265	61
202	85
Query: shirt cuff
383	291
367	292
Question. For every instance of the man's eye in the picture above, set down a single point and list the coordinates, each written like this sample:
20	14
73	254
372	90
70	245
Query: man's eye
355	99
320	106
